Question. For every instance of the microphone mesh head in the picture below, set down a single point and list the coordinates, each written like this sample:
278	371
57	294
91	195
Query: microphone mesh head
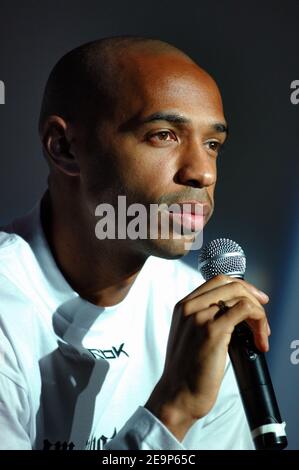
222	256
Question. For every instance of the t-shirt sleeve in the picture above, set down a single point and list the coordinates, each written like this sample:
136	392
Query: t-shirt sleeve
14	402
143	431
227	431
14	415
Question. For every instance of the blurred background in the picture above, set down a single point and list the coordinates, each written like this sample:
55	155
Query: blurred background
251	49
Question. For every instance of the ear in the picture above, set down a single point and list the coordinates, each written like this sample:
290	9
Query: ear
56	138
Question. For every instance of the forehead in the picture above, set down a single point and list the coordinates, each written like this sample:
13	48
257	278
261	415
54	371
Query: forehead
151	83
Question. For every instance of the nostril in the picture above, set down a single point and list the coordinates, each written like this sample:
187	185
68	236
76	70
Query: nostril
193	183
195	179
188	182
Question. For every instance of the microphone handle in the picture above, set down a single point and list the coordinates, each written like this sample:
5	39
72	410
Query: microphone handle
256	390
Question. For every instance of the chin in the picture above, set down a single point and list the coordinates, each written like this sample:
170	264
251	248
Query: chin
170	248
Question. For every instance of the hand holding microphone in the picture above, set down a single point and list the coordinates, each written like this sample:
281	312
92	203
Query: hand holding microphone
251	370
197	348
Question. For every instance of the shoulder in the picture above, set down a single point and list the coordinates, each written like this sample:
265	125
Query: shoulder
11	245
15	308
17	260
19	274
8	241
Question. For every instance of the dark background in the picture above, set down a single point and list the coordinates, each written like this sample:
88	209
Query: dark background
251	49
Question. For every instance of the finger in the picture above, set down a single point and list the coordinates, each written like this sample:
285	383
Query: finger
259	294
186	324
219	280
253	314
206	315
260	329
222	280
229	293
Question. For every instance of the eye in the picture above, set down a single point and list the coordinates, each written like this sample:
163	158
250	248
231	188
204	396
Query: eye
214	145
162	136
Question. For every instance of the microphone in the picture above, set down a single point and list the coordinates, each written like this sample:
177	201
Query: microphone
224	256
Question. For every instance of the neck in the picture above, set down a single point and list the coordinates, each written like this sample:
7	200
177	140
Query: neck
100	271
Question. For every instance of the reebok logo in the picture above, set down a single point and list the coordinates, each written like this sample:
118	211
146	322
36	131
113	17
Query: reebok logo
112	353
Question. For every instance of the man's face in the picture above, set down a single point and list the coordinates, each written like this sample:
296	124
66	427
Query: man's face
159	145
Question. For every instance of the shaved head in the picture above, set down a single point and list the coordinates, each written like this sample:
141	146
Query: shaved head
83	83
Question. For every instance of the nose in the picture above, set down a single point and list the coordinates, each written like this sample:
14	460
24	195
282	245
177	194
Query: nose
197	168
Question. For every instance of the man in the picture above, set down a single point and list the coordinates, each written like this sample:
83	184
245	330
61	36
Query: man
114	343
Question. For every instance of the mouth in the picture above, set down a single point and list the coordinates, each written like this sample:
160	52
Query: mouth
189	215
190	207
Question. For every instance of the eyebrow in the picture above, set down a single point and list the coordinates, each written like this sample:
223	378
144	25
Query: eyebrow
179	119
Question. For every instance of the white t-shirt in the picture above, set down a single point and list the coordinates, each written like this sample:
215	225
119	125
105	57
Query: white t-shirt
76	376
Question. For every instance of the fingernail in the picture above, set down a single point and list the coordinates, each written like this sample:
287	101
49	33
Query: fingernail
264	295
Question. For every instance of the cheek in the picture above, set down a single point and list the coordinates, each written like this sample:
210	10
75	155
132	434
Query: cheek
151	176
137	186
210	190
143	169
101	181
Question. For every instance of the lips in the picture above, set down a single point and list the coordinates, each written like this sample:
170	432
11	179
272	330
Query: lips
190	207
189	222
189	215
